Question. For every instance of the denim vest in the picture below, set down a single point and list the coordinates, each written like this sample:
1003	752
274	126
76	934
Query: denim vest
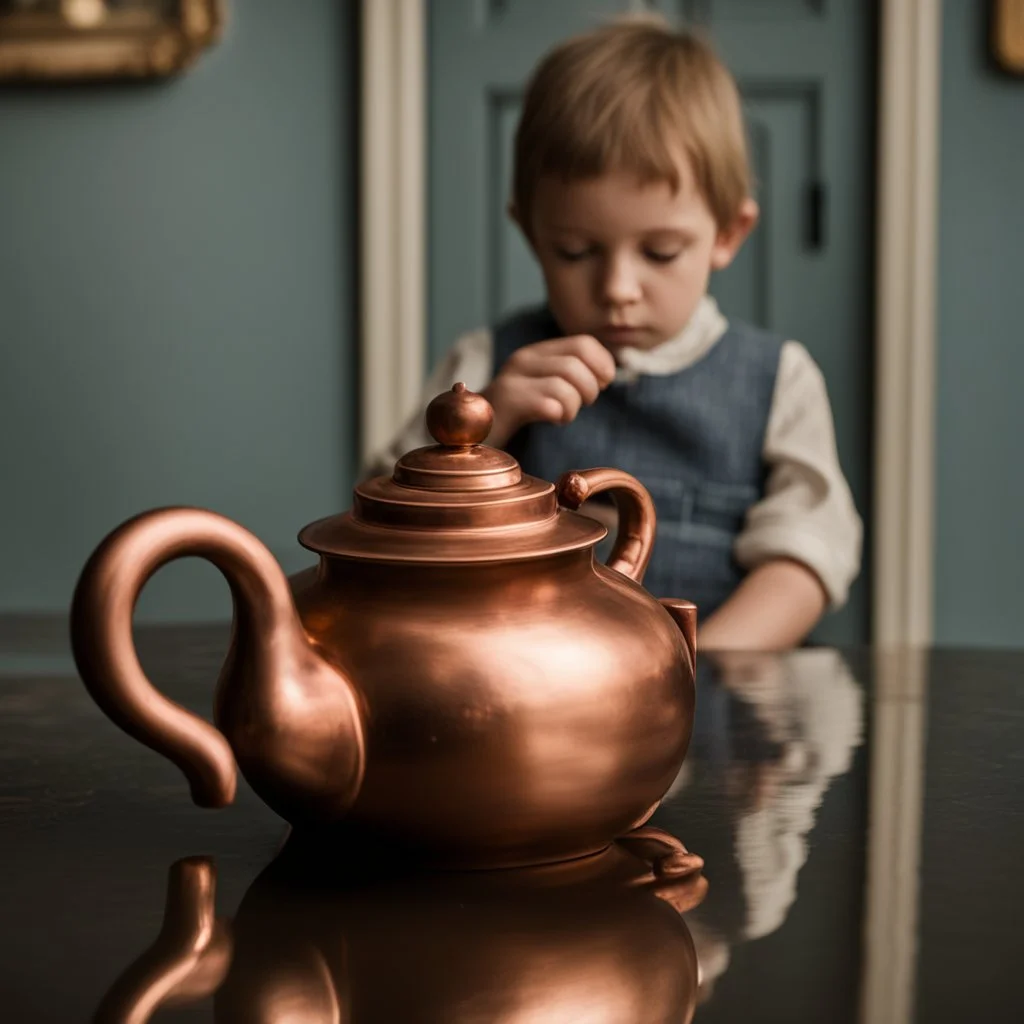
694	439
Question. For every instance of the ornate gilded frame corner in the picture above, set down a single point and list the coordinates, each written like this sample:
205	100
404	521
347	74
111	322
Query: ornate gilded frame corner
1008	35
90	40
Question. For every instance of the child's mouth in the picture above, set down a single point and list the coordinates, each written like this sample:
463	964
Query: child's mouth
621	334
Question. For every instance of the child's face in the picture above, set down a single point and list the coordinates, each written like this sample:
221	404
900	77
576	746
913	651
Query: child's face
628	262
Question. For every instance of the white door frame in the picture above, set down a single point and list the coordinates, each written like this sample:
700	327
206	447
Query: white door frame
907	216
392	218
393	295
895	821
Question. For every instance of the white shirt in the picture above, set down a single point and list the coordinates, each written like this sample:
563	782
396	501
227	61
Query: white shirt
807	512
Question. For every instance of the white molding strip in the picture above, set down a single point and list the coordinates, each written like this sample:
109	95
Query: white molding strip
905	301
393	216
894	836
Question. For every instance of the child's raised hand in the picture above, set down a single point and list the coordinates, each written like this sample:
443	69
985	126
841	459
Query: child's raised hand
549	381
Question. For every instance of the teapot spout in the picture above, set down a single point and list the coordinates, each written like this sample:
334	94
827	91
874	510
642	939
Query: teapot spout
685	615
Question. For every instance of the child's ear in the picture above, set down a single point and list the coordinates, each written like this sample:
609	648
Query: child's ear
729	239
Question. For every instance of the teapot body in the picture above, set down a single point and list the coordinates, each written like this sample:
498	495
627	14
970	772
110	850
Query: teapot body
457	675
515	713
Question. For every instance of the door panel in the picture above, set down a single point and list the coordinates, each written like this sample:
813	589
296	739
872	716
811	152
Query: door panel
806	72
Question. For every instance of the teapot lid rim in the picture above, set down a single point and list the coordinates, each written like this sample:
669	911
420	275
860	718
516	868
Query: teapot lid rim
346	536
456	501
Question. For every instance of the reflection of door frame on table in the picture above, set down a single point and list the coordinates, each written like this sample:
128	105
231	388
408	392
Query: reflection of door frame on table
393	274
895	822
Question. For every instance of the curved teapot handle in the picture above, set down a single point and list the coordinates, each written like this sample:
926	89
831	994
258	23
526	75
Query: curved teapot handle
635	539
104	650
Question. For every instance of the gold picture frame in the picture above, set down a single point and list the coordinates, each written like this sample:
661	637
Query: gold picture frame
1008	35
62	40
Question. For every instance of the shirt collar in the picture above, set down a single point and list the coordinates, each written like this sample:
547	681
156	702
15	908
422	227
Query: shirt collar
693	342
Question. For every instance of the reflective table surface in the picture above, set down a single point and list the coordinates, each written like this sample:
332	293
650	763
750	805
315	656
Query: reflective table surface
860	818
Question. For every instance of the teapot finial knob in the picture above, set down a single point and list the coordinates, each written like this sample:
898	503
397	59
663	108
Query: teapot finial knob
459	418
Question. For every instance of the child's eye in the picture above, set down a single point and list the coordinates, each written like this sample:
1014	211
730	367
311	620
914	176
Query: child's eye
572	255
661	257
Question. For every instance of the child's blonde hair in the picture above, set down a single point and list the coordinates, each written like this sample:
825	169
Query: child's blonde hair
633	96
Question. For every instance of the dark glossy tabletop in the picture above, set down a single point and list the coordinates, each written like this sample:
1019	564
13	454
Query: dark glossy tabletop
861	819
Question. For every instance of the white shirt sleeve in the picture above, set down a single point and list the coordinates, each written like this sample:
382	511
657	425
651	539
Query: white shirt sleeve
469	360
807	512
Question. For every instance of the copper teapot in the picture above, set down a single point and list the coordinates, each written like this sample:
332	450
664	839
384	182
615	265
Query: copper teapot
457	674
599	939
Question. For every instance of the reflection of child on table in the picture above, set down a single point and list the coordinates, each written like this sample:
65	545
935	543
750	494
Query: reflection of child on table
772	733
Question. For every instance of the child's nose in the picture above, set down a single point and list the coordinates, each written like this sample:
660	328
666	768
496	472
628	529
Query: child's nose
621	283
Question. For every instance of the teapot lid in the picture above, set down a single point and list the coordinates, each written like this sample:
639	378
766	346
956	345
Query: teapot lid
455	501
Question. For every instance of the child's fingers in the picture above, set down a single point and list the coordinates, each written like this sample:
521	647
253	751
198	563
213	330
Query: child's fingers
594	355
557	401
584	347
570	368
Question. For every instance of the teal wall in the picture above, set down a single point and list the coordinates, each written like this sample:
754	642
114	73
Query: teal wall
177	326
979	560
176	304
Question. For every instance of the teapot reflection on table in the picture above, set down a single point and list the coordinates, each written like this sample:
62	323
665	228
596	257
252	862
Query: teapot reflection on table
600	939
457	674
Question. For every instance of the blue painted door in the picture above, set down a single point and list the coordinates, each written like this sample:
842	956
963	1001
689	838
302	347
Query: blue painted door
806	72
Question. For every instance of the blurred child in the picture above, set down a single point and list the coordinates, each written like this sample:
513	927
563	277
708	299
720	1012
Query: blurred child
631	185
